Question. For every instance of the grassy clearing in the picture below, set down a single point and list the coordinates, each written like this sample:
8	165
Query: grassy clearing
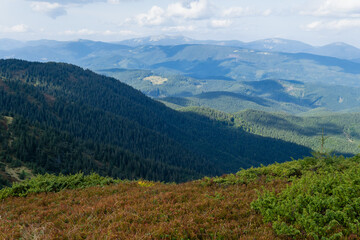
156	80
19	173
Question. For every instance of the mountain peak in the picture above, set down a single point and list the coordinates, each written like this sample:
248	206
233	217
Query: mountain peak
276	40
158	40
339	44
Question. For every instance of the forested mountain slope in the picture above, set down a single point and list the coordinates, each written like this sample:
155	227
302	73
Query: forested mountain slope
266	95
341	131
44	149
102	110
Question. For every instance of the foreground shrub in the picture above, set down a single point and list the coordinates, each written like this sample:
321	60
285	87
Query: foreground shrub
318	205
289	171
53	183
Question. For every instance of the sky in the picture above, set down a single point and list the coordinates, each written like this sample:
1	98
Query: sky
317	22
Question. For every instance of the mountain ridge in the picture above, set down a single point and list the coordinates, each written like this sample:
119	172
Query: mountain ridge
336	49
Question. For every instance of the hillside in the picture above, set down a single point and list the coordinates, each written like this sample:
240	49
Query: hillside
95	108
341	130
312	198
271	95
27	149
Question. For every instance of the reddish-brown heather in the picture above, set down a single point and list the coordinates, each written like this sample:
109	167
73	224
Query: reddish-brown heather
136	211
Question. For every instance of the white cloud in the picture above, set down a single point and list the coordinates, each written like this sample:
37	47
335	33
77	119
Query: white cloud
341	24
56	8
121	33
187	15
83	31
88	32
155	16
189	28
220	23
174	13
70	1
336	8
314	26
189	10
116	1
82	2
235	12
238	12
20	28
267	12
53	10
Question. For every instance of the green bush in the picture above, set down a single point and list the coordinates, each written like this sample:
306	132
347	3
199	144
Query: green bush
53	183
323	203
22	175
288	171
323	200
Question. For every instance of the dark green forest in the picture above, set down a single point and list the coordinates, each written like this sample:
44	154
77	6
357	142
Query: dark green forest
50	151
68	119
341	131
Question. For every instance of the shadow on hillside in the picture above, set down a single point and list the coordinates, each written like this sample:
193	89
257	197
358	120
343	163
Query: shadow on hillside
346	65
283	124
201	69
272	89
215	95
239	145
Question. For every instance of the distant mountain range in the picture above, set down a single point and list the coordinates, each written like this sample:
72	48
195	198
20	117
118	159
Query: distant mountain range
338	50
202	61
217	74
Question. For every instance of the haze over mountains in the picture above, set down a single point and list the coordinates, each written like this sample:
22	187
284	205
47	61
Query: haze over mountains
338	50
286	75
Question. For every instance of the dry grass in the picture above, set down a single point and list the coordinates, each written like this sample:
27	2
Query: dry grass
156	80
138	210
14	173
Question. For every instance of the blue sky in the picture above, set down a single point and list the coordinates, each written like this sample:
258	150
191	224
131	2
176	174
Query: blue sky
317	22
